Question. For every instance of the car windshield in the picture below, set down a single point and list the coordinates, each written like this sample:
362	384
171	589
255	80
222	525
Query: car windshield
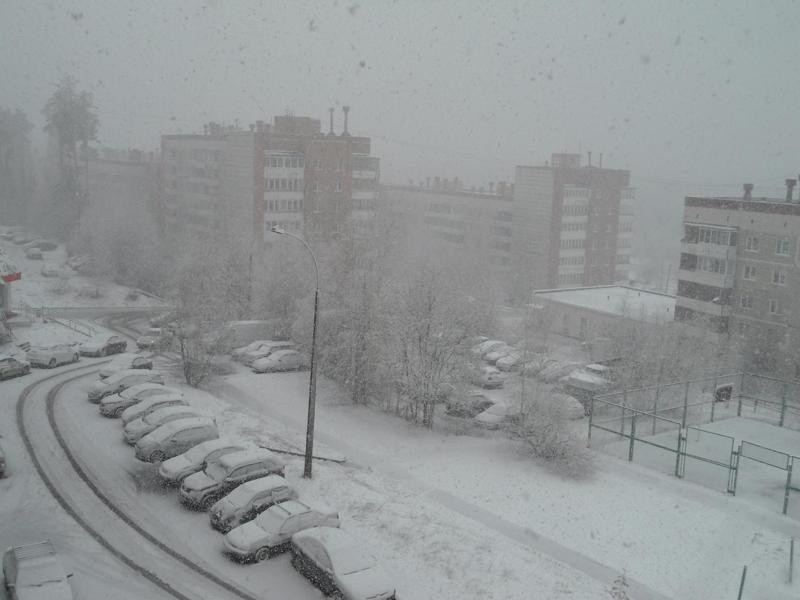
271	520
197	454
216	471
351	560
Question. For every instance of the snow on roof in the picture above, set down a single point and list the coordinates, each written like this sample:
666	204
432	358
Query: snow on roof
245	456
619	300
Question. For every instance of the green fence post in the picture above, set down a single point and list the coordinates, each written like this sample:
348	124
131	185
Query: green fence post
791	559
678	455
622	423
783	402
714	398
655	409
741	583
633	437
591	412
788	485
685	405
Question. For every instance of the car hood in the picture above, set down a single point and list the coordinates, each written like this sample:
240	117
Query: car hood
198	482
177	465
51	591
115	400
488	418
225	507
38	352
249	535
135	426
367	583
98	386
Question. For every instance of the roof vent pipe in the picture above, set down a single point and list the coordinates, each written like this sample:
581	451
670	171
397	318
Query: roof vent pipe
330	110
345	110
748	191
601	161
790	183
590	157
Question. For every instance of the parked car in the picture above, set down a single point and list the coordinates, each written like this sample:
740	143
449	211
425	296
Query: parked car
174	438
493	416
35	572
13	367
121	381
138	428
52	356
41	244
33	254
510	361
163	319
339	565
126	361
178	468
148	405
280	360
469	406
238	353
495	355
22	238
49	271
104	345
271	531
264	351
487	346
2	463
154	338
488	377
248	501
226	473
115	405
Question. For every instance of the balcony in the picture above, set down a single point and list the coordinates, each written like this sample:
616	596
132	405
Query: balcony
362	174
708	278
712	250
709	308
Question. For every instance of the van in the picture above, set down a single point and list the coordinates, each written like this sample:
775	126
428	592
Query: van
172	439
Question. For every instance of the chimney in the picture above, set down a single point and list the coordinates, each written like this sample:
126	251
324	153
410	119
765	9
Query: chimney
436	183
748	191
330	110
491	187
590	157
600	164
260	126
790	183
345	110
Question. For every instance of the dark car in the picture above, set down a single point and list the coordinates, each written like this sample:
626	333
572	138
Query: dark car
104	345
468	407
12	367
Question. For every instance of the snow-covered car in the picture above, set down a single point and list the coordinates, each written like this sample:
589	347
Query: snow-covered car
114	405
138	428
154	338
2	463
488	377
227	473
13	367
482	349
248	501
33	254
41	244
238	353
510	361
104	345
52	356
271	531
264	351
493	416
178	468
22	238
280	360
339	565
495	355
568	406
35	572
468	407
125	361
175	437
49	271
149	405
163	320
121	381
555	370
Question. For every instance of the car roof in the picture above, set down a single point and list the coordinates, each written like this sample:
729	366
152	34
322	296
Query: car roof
262	484
158	398
150	385
167	411
37	550
215	444
181	424
126	372
332	538
289	508
235	459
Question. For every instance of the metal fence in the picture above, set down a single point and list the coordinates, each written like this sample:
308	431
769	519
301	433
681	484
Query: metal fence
661	426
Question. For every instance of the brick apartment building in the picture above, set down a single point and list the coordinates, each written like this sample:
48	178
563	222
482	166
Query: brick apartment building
558	225
739	276
231	182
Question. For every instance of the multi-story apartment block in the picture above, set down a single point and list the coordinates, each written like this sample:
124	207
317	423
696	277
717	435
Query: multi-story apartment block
123	178
559	225
288	174
739	276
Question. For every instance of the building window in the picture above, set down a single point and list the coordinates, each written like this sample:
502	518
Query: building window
774	307
716	236
713	265
749	273
338	185
751	245
779	277
746	301
782	247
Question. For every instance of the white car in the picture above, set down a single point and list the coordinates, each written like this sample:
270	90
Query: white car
120	381
103	345
248	501
264	351
178	468
488	377
271	531
510	361
339	565
151	404
137	429
35	572
114	405
53	356
126	361
238	353
280	360
498	353
492	417
484	348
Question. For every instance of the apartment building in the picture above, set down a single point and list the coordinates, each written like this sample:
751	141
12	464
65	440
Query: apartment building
123	178
230	182
739	276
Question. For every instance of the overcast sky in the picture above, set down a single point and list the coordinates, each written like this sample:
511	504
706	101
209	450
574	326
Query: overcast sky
681	93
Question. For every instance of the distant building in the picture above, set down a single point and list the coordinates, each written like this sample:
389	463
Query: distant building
739	275
231	182
125	178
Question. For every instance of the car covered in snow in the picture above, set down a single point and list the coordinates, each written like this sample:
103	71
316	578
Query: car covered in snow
35	572
495	355
11	366
124	361
493	416
339	565
33	254
238	353
227	473
248	501
154	338
53	356
178	468
41	244
271	531
510	361
138	428
103	345
482	349
488	377
175	437
115	404
280	360
50	271
264	351
121	381
467	407
150	405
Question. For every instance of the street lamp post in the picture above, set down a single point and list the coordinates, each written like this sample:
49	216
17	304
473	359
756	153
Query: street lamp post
312	384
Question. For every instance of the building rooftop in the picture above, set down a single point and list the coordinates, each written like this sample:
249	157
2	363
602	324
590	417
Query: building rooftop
619	300
753	204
